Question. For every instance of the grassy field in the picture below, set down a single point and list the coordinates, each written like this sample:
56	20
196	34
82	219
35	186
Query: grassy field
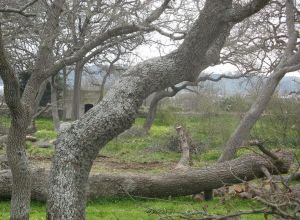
209	133
142	209
155	153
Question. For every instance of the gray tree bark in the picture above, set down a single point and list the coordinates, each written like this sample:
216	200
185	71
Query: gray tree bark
79	145
39	96
160	95
102	86
64	117
54	104
77	90
32	127
242	131
22	111
20	200
174	183
289	62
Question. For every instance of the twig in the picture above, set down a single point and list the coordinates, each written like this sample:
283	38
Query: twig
276	209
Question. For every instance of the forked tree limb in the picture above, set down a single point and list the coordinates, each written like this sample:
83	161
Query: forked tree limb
174	183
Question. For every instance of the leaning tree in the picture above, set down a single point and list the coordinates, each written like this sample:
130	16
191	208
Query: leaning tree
286	60
78	145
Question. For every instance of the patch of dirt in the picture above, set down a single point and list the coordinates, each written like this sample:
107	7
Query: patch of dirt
111	163
107	164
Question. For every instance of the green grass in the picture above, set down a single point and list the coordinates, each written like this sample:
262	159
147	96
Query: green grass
211	131
45	132
45	129
4	121
44	124
128	209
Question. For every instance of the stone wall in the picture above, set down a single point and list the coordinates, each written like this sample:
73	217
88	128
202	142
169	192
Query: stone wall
87	97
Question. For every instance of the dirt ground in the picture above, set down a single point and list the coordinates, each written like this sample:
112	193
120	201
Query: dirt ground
107	164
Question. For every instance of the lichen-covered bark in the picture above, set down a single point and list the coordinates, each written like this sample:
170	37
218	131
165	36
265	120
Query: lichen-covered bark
21	112
173	183
20	200
78	146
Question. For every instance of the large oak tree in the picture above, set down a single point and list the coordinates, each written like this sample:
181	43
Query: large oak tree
78	145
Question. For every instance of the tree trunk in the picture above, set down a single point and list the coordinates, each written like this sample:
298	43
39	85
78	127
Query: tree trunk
78	146
64	116
289	62
40	95
54	105
77	90
150	116
15	149
18	162
153	107
242	131
32	127
103	86
174	183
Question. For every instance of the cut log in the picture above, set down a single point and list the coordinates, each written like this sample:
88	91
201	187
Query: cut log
185	159
178	183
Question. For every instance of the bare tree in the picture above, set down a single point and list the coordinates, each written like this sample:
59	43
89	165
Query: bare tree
107	16
22	107
158	96
289	62
78	145
89	134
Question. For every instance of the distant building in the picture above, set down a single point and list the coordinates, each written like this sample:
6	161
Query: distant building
91	81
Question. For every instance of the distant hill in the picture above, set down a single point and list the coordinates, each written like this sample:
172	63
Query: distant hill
93	76
244	86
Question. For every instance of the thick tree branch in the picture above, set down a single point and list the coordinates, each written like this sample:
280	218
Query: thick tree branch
11	83
44	55
172	183
20	11
239	12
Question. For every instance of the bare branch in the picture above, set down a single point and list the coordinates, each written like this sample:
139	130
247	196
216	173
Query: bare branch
169	35
222	76
157	12
41	111
259	144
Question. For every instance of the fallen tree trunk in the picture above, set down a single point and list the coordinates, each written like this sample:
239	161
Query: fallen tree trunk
175	183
